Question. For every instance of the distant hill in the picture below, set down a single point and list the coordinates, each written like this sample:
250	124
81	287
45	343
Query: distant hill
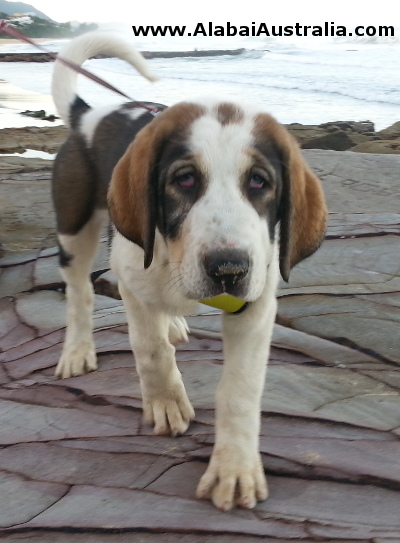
35	24
20	7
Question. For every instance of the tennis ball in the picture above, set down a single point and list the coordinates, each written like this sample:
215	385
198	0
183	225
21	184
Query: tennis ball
228	303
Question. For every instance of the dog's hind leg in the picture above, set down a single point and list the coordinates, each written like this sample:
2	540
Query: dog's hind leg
77	253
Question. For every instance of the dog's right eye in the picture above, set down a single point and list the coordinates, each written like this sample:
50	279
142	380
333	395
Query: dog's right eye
186	180
256	182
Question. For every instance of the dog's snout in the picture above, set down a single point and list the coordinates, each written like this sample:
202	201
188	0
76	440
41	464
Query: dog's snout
227	267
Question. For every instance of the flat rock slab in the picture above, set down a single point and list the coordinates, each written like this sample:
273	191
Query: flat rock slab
48	139
28	219
77	463
357	182
77	458
349	291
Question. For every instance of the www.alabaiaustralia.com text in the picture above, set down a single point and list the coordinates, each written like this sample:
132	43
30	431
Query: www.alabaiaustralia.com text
209	29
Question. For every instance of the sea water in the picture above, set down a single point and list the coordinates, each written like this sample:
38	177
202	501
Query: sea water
308	81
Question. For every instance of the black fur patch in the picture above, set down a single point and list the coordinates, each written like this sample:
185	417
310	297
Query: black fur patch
63	257
77	109
175	202
74	185
268	204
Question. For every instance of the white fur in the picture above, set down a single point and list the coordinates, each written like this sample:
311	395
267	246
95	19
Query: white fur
91	119
135	113
79	354
149	303
235	462
157	297
82	48
227	219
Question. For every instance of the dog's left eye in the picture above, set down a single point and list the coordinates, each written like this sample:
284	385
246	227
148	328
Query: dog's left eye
257	182
186	180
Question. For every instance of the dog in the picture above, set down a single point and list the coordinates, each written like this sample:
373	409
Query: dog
207	197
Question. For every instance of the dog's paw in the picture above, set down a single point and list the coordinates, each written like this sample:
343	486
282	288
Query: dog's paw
170	411
233	479
178	330
76	360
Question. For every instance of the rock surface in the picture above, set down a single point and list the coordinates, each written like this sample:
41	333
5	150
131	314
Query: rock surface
77	464
17	140
359	137
336	136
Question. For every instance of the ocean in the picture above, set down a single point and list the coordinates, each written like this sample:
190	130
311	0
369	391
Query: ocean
308	80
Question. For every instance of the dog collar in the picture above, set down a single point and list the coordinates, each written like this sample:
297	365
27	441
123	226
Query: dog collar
226	302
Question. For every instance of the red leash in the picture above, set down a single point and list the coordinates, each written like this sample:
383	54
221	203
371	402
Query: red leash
5	28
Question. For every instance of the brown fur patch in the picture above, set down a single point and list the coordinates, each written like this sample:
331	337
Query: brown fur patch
133	191
229	114
176	201
303	210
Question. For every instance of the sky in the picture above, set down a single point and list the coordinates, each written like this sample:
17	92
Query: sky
184	12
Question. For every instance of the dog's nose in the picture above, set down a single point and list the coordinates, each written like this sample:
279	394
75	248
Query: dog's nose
227	267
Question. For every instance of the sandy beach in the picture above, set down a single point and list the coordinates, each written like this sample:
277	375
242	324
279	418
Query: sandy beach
14	100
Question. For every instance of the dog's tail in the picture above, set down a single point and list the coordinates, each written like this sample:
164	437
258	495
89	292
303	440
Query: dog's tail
64	83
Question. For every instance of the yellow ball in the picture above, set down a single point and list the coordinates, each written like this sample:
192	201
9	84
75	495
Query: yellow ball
226	302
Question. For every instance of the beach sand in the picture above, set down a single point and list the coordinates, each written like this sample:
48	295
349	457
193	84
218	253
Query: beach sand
14	99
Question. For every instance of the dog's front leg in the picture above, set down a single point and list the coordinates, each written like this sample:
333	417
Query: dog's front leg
235	474
165	402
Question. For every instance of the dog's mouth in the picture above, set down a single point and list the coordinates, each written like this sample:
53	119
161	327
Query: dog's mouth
227	284
208	288
237	288
219	272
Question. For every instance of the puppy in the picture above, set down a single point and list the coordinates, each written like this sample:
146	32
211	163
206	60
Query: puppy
208	197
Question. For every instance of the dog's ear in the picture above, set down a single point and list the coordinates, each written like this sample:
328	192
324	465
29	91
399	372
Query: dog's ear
303	213
133	192
132	195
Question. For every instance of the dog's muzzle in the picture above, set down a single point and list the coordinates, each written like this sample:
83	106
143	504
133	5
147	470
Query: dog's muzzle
227	268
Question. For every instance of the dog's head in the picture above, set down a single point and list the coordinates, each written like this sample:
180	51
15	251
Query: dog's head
216	180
